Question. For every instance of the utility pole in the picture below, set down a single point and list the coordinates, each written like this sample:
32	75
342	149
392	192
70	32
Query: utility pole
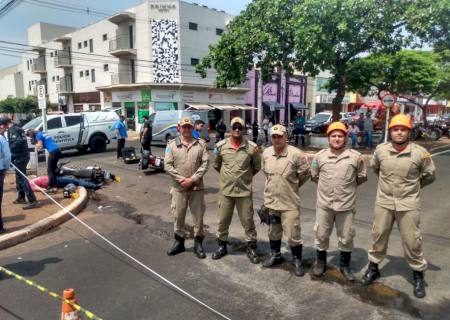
259	101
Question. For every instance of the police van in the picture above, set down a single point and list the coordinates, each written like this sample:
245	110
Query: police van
82	131
165	123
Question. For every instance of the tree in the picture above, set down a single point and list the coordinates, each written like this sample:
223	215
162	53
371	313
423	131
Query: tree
315	35
262	34
407	74
8	105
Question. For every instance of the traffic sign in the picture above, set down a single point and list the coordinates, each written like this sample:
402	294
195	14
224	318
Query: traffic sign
388	100
41	96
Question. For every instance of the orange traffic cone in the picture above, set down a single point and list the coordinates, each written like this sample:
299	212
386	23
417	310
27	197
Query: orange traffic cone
68	312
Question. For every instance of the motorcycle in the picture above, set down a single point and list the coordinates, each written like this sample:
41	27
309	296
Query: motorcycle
149	161
94	174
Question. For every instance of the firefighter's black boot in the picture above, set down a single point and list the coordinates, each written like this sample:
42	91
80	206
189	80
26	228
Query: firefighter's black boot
419	284
221	250
321	263
276	258
345	266
372	274
177	247
198	247
297	256
251	252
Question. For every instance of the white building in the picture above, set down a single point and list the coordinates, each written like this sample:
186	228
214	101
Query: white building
11	82
138	60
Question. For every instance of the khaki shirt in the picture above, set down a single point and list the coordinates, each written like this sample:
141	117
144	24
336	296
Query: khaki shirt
401	175
285	173
183	161
236	167
337	178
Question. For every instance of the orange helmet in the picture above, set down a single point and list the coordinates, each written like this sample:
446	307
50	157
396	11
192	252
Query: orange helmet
337	126
400	120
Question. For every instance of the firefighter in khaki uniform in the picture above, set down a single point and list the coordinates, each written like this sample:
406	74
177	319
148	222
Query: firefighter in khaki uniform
237	160
403	168
186	161
286	169
337	171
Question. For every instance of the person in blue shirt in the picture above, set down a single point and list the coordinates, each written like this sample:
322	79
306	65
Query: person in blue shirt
198	128
299	129
45	141
5	159
121	135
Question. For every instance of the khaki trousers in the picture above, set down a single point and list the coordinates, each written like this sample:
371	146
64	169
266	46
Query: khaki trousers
290	224
343	220
244	206
180	202
408	223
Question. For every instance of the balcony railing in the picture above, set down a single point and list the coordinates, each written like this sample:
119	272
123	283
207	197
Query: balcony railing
63	59
65	85
122	78
38	65
121	46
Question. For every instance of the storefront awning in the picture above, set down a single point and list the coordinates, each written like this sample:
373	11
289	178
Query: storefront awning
223	107
299	106
273	106
244	107
195	106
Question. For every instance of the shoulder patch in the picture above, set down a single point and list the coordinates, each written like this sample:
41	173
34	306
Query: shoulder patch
168	149
220	143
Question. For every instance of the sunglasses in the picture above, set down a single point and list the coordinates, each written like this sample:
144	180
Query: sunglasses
234	128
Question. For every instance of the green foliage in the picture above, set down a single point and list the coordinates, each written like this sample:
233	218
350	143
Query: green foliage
315	35
19	105
407	72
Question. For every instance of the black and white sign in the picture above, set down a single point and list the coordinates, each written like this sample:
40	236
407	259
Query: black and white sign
41	96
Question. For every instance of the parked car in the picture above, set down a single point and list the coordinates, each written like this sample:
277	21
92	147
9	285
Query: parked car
165	123
319	123
82	131
445	124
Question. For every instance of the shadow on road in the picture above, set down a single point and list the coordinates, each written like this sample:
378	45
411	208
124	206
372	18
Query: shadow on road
29	268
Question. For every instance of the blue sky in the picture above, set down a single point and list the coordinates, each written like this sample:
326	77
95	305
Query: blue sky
13	25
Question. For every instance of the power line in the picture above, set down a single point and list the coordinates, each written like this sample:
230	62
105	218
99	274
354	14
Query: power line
8	7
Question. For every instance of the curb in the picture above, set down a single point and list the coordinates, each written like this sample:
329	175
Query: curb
29	232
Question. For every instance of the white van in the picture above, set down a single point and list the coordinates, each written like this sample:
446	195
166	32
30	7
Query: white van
82	131
165	123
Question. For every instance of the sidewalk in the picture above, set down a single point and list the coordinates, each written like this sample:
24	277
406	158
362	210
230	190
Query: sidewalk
22	225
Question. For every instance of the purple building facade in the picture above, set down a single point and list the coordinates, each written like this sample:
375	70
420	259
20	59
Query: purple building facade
283	96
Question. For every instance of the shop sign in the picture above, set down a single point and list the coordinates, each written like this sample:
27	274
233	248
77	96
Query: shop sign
165	106
270	91
165	95
146	96
123	96
294	94
328	98
87	97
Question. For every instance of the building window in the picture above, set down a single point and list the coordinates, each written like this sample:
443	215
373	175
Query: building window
105	67
57	78
193	26
219	31
194	61
85	44
53	79
92	75
28	64
29	85
51	54
56	53
105	37
79	45
91	45
86	73
81	74
31	61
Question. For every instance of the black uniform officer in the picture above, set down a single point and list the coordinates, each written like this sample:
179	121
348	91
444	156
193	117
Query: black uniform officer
20	156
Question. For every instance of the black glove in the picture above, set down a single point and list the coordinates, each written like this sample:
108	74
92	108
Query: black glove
264	215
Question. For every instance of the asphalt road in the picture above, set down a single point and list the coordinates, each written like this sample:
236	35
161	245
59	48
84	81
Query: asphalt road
134	215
